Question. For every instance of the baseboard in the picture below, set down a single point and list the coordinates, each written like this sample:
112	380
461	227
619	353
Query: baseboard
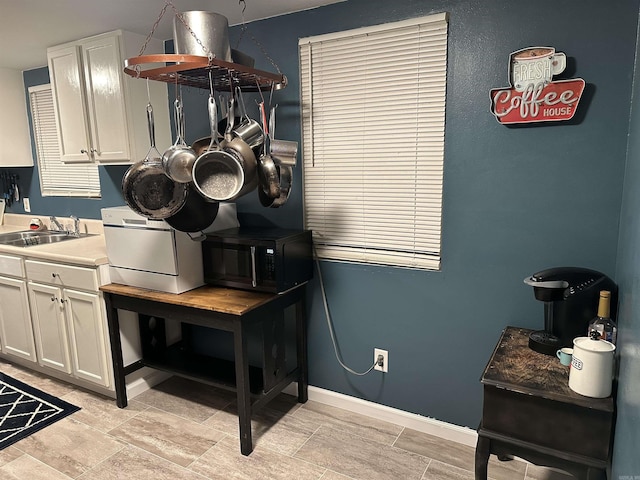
431	426
148	377
143	379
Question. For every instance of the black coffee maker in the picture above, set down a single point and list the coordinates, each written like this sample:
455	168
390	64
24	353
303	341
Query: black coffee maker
570	296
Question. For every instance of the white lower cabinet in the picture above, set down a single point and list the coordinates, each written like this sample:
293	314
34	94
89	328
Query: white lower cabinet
87	336
52	341
69	322
16	334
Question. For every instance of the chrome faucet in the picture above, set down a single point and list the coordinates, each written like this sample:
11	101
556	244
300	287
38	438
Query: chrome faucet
55	221
76	226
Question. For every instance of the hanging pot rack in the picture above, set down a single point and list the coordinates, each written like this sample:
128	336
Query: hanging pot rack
193	70
201	71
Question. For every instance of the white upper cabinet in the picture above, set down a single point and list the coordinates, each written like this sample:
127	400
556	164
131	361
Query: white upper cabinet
100	111
14	125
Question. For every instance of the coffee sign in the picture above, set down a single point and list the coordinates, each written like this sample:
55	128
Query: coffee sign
533	96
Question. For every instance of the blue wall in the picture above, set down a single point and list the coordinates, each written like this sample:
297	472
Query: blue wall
516	200
626	460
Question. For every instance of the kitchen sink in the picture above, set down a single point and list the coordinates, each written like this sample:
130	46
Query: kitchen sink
29	238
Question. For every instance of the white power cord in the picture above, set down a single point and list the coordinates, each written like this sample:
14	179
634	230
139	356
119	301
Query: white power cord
328	317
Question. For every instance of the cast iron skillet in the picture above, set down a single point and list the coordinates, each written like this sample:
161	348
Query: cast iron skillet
146	188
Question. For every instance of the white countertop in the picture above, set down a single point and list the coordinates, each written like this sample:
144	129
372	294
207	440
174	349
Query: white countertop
88	251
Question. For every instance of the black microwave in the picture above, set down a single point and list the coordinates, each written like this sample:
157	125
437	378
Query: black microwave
262	259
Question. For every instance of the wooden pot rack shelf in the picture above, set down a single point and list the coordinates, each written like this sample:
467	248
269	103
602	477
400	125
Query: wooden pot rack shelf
193	71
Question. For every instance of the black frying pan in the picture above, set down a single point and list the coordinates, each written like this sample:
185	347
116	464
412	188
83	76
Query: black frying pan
195	215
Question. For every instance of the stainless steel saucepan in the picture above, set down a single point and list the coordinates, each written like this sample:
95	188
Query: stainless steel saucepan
217	174
178	159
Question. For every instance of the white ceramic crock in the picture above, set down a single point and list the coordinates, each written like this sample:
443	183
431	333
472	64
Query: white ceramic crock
591	372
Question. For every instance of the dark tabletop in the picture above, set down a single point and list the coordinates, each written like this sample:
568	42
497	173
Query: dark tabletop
514	366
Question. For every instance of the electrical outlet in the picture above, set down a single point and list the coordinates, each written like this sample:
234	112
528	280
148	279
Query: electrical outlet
385	359
26	204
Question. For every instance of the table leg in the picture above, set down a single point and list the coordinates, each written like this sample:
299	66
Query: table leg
483	450
596	474
242	387
116	352
301	338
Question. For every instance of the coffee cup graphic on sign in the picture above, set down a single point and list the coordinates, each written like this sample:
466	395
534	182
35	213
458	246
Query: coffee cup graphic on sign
535	67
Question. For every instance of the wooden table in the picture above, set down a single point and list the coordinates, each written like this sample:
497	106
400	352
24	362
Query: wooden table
529	411
225	309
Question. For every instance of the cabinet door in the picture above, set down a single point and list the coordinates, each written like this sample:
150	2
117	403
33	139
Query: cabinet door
14	123
49	326
105	99
87	336
15	319
69	100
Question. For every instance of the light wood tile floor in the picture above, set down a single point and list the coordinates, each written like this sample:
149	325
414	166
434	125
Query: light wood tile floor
182	430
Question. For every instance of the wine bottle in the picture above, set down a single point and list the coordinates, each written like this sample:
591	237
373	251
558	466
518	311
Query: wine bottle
602	323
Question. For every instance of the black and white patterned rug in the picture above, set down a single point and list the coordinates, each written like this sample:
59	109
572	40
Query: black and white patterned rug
25	410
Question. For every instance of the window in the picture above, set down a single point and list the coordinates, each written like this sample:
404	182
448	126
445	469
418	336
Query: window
57	178
373	110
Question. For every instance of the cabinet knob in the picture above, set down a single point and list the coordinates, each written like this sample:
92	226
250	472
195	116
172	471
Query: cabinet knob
54	275
84	151
94	150
53	298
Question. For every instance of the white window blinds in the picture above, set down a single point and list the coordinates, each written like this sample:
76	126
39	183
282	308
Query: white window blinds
57	178
373	111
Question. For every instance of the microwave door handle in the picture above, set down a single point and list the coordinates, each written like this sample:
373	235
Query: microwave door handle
254	280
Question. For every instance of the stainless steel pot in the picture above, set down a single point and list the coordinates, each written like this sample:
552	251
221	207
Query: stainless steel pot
284	152
199	33
217	174
146	188
247	128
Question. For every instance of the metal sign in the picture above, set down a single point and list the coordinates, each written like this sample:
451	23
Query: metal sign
533	96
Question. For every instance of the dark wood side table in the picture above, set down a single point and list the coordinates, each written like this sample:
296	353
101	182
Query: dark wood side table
529	411
226	309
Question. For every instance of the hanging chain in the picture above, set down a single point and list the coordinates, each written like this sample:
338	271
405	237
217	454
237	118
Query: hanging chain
168	3
244	24
210	55
259	45
153	29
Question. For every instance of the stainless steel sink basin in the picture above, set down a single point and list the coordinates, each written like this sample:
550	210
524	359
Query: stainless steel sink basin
29	238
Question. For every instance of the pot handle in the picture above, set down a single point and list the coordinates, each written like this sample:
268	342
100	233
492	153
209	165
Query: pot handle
150	124
201	237
152	131
213	122
180	124
243	108
231	119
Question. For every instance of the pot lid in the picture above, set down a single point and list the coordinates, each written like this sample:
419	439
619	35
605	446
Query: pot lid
587	343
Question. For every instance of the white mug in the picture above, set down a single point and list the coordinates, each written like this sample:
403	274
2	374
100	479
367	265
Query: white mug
533	66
